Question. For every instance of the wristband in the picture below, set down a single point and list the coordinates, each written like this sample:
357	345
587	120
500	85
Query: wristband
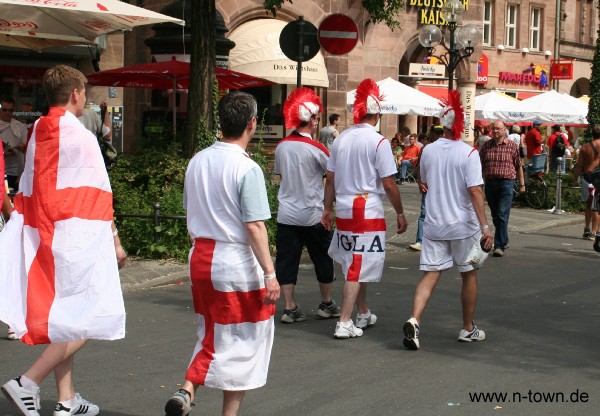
400	215
483	227
270	276
521	184
115	232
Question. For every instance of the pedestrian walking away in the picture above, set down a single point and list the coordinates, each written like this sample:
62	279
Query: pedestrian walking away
360	171
62	249
501	165
234	287
587	171
328	133
302	163
455	221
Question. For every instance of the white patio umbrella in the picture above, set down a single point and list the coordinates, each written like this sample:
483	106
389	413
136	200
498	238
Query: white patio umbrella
487	104
548	108
38	44
72	20
399	98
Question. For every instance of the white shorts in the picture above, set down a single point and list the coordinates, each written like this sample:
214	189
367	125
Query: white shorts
585	189
438	255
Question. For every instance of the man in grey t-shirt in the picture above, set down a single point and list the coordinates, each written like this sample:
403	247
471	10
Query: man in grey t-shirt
328	134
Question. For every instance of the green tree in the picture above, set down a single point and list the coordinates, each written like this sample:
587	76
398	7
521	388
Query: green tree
380	11
593	115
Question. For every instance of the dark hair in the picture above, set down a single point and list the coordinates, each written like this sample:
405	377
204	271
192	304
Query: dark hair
405	130
395	140
485	131
236	109
8	100
596	132
422	137
333	118
556	127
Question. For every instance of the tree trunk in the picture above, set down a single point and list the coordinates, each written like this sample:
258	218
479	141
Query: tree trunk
202	65
593	116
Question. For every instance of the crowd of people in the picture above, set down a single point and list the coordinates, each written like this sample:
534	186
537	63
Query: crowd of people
330	202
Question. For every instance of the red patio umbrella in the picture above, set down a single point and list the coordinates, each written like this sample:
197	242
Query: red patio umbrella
166	75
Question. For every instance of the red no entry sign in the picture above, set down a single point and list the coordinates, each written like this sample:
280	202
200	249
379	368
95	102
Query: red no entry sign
338	34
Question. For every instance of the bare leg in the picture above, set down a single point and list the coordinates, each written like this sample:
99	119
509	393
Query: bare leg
325	291
595	222
288	295
468	298
52	358
351	290
588	214
63	374
190	388
361	300
232	401
423	293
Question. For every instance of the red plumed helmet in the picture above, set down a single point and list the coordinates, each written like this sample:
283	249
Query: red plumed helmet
367	100
301	105
452	115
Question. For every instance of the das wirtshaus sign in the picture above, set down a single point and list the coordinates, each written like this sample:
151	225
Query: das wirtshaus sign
429	11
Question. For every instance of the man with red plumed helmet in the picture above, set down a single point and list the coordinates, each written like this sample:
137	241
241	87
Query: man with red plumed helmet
302	162
360	172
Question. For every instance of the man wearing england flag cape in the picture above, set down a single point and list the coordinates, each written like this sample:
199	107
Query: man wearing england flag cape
360	172
59	278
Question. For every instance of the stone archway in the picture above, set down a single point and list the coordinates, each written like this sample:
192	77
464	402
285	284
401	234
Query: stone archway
580	87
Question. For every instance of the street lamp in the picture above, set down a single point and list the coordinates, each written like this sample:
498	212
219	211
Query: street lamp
460	42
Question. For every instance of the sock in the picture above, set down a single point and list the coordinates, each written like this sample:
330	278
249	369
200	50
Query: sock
69	403
327	303
364	315
28	383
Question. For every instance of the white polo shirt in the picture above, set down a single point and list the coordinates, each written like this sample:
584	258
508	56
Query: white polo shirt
360	157
302	163
449	167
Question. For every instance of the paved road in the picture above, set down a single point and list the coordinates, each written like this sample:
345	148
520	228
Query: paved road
538	305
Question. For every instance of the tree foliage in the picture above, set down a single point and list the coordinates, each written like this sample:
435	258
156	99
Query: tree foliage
380	11
593	115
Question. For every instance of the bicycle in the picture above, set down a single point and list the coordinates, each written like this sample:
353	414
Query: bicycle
536	190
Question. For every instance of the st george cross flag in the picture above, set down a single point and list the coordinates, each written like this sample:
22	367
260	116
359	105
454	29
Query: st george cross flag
358	243
59	279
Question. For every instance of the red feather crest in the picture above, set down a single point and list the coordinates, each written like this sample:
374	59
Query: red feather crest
300	106
367	99
452	115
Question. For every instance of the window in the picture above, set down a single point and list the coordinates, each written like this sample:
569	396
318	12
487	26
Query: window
487	24
511	26
535	29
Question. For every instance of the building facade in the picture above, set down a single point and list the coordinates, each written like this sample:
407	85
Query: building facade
520	40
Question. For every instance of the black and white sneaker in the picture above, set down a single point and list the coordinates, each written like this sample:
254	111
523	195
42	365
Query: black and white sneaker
81	407
179	404
473	335
411	334
26	401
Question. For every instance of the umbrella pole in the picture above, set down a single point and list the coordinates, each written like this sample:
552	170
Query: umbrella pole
174	107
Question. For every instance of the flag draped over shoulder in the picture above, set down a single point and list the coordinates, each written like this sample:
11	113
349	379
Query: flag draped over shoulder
59	279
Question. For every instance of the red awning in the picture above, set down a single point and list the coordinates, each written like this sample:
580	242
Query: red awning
440	92
521	95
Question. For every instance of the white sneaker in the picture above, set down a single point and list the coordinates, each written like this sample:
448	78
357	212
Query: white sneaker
411	334
345	330
416	246
11	334
366	320
469	336
27	401
81	407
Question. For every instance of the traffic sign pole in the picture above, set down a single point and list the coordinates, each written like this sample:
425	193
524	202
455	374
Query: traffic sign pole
300	46
298	41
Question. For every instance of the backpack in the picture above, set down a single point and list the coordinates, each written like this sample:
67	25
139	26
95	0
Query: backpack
559	146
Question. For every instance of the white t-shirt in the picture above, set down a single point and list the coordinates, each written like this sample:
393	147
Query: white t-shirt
302	163
223	189
360	157
14	133
449	167
515	138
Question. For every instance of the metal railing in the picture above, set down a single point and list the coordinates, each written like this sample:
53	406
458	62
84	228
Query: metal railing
156	216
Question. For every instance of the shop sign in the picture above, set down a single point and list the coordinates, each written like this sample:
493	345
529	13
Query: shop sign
482	69
561	69
429	11
426	70
535	74
272	131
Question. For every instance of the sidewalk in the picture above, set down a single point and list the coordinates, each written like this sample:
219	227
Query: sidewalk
141	274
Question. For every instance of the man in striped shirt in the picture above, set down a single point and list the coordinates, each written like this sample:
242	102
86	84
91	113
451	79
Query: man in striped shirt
501	166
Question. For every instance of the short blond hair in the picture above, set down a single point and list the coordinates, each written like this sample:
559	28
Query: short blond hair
60	81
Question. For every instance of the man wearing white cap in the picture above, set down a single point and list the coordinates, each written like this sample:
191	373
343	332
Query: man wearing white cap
454	223
360	171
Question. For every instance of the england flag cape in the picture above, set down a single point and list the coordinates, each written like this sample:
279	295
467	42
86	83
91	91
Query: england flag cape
358	243
59	279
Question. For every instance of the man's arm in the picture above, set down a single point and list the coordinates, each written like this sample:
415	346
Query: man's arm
106	125
476	196
259	241
327	218
7	207
393	194
121	254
